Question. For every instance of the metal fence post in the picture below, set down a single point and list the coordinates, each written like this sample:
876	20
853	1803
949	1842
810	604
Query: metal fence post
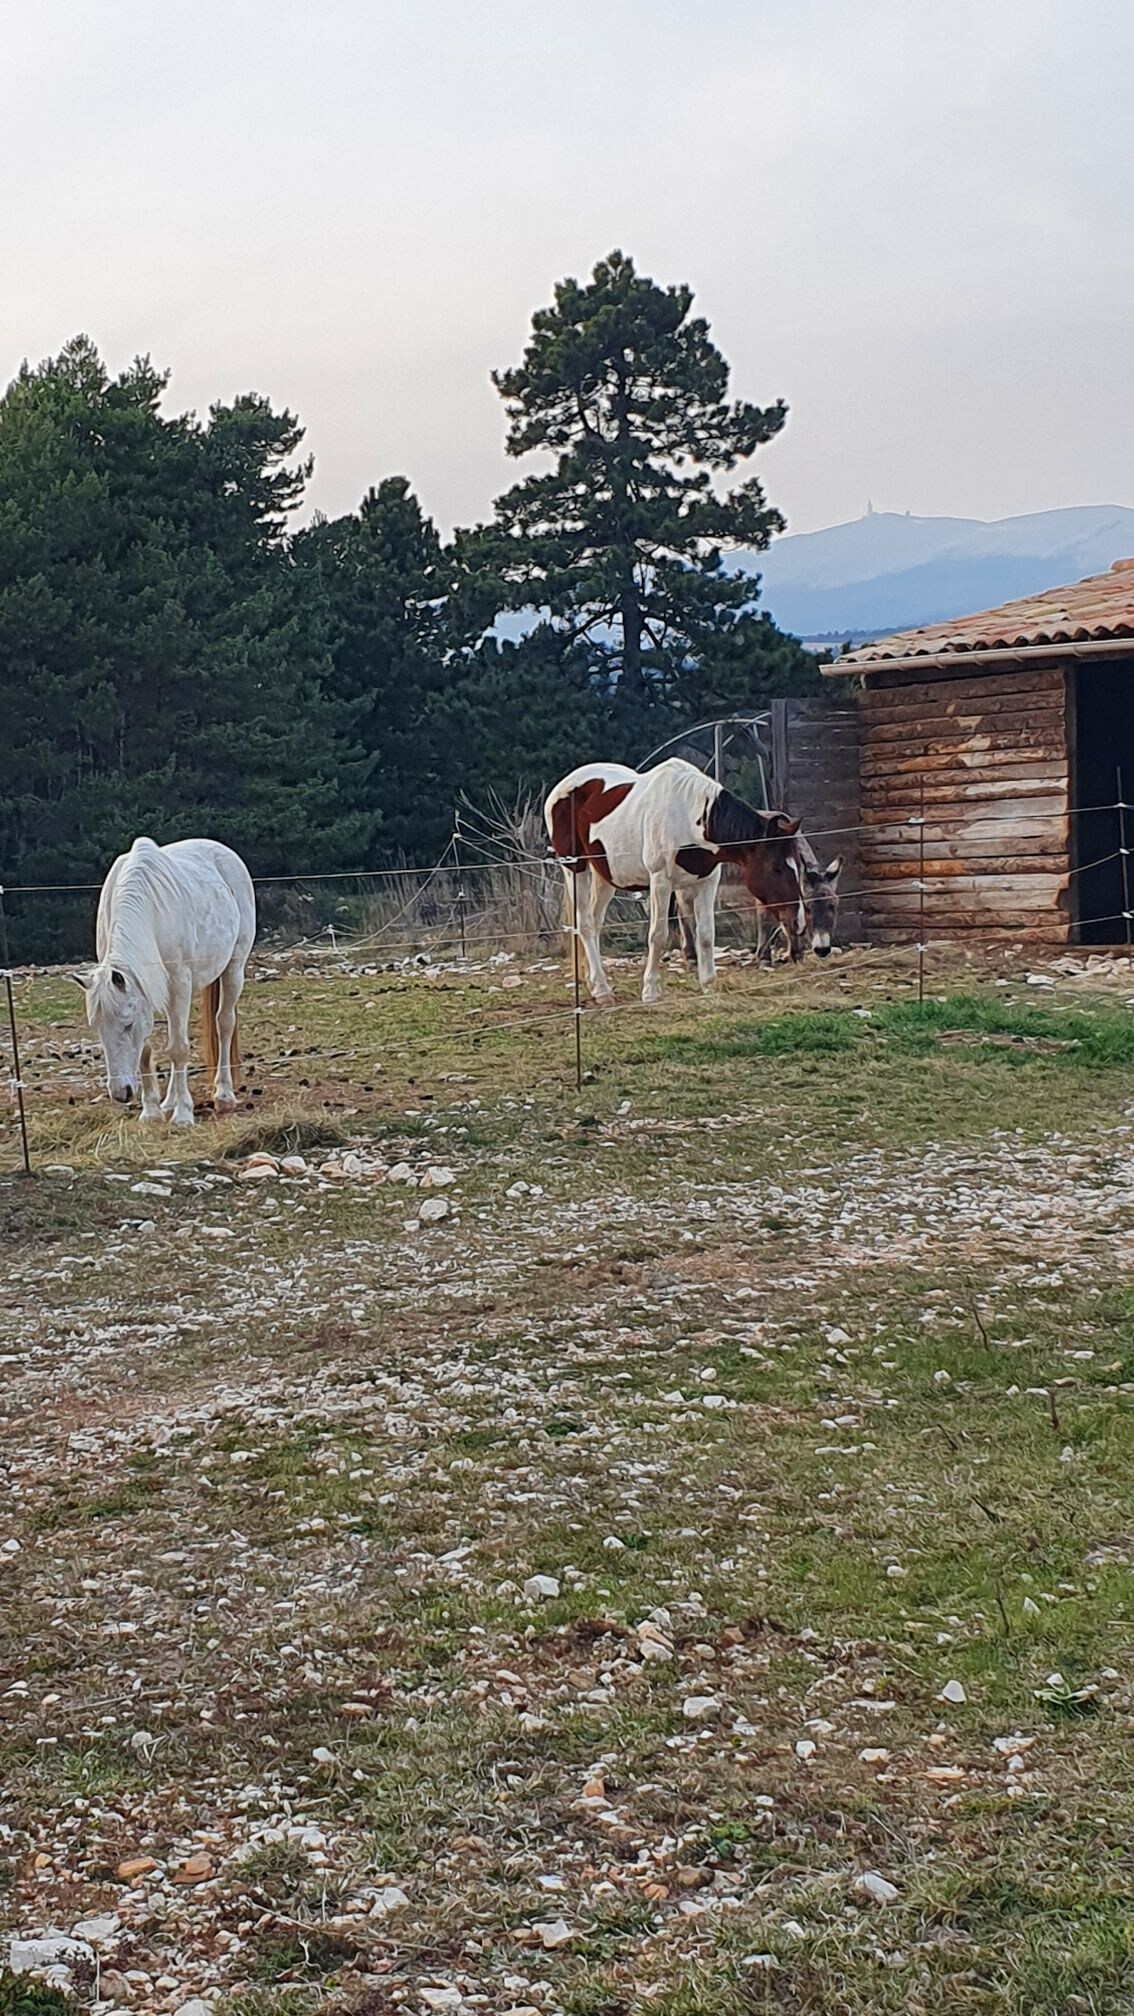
1124	858
17	1080
575	871
456	844
919	822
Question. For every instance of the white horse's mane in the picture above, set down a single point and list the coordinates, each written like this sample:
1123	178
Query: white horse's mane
146	892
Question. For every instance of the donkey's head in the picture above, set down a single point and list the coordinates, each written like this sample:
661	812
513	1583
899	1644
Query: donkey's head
122	1018
821	892
772	870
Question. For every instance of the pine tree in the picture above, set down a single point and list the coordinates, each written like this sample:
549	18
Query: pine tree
160	668
620	543
383	579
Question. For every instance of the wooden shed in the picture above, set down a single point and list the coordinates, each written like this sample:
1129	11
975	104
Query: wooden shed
1014	732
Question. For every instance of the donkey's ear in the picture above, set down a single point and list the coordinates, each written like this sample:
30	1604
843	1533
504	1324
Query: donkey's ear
81	980
832	870
786	827
118	979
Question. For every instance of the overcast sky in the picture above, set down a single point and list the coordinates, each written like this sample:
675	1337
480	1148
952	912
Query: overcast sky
909	218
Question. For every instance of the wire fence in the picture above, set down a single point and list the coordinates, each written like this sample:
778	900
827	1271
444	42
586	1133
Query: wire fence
492	897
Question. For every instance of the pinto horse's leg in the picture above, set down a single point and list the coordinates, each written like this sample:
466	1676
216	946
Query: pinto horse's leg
686	913
151	1090
766	929
231	988
178	1101
704	917
594	901
660	887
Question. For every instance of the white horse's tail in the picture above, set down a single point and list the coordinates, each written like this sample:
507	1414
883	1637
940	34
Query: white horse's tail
210	1040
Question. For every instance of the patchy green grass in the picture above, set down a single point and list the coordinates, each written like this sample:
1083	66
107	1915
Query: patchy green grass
823	1351
20	1996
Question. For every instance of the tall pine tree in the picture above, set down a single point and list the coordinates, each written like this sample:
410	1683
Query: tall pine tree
621	542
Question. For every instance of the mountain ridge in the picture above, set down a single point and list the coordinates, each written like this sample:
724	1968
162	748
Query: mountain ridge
891	571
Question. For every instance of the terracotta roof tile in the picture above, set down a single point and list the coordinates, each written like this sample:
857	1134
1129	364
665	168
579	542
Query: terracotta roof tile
1088	612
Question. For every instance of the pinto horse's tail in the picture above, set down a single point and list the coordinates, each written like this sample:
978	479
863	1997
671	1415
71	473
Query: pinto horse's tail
210	1040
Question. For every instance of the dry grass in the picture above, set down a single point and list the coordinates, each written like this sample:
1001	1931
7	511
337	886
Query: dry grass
308	1464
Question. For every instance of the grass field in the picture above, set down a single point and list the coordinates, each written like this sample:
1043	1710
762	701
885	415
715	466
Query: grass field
795	1354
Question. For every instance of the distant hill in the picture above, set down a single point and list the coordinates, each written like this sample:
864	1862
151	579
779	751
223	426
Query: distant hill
886	571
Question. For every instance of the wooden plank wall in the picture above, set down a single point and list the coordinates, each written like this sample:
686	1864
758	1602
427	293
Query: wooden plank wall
815	775
992	750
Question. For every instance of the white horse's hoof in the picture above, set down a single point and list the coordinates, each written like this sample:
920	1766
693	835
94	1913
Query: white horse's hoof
151	1113
181	1117
224	1104
651	996
605	1000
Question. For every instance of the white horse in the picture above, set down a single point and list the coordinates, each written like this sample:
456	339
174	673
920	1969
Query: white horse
172	922
668	829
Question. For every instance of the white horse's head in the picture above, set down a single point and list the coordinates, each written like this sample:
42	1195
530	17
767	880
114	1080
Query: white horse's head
123	1020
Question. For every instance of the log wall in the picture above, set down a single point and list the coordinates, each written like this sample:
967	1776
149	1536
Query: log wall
991	754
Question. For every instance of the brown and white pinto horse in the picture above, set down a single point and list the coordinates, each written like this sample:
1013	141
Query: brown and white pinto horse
667	829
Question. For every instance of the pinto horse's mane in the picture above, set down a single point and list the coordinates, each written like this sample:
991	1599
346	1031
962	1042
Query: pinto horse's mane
729	822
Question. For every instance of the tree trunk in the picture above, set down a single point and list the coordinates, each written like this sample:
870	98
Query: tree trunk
630	609
631	635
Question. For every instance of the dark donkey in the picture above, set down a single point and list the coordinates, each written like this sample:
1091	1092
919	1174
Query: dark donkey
821	899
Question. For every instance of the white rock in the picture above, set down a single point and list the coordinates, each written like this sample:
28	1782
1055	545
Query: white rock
764	1962
156	1189
655	1648
871	1884
325	1758
953	1691
433	1209
702	1708
53	1949
541	1588
295	1166
194	2007
805	1748
874	1756
96	1930
438	1177
440	1998
402	1173
385	1901
553	1932
614	1545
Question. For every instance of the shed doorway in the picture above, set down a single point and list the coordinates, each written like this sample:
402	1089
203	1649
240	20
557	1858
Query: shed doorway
1102	750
